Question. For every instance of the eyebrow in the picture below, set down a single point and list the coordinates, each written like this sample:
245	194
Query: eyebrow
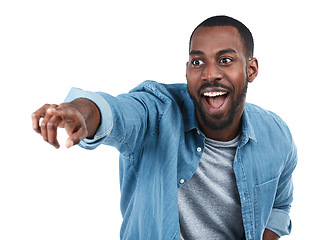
196	52
224	51
221	52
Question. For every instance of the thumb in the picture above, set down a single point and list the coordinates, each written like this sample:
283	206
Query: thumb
76	137
69	143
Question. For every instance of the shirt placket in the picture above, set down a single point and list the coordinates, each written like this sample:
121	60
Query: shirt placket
198	151
245	200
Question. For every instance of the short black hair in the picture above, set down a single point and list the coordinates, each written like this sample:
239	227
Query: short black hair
223	20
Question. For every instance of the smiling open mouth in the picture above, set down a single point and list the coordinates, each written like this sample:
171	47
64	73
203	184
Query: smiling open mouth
215	99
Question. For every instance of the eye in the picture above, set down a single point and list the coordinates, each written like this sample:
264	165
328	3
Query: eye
225	60
197	62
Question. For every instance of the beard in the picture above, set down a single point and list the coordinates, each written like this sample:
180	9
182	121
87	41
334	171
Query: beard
216	122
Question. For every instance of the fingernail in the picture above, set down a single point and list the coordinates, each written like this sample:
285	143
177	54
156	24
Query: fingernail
69	144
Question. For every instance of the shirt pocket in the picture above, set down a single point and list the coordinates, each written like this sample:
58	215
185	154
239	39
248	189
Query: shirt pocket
264	196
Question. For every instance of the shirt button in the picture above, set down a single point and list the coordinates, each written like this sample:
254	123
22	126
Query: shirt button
199	149
181	180
198	132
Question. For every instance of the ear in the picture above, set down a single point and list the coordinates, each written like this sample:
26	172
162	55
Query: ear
187	70
252	69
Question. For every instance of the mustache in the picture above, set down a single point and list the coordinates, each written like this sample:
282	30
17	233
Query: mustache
213	84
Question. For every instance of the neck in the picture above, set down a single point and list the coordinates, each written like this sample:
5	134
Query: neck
223	135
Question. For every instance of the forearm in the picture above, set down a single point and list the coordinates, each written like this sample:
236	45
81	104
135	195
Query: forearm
91	114
269	235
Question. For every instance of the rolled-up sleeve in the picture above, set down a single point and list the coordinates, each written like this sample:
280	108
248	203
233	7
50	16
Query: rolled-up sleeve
106	122
127	120
279	221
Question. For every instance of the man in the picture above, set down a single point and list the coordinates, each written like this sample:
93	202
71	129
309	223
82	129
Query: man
196	161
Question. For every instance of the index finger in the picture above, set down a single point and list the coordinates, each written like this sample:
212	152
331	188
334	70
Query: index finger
64	110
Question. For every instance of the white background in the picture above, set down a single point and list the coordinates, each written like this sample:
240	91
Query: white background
46	47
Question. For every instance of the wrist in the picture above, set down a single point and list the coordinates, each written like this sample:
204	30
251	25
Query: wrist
90	113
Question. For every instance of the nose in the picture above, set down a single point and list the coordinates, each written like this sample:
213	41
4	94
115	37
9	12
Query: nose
212	72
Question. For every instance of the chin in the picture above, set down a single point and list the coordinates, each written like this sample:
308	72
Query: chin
217	122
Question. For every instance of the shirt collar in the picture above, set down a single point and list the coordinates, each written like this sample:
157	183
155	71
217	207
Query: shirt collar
189	113
247	128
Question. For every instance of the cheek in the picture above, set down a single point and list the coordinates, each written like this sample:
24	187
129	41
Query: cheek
237	79
192	82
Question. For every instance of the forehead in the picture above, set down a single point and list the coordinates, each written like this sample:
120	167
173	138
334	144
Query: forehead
213	39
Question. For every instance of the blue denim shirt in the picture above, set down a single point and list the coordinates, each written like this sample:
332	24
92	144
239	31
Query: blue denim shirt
155	129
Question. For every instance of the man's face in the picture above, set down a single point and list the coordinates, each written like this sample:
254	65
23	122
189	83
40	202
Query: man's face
217	76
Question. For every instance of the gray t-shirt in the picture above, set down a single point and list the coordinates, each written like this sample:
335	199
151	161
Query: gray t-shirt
209	204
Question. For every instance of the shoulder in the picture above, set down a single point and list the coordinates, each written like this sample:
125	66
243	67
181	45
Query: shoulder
272	132
265	121
255	111
164	92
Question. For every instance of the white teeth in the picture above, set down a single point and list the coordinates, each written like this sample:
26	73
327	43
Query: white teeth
214	94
